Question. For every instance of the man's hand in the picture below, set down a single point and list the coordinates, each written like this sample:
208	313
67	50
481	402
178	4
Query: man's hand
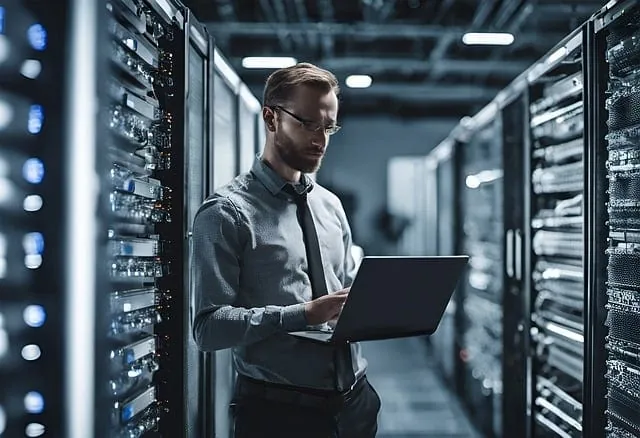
325	308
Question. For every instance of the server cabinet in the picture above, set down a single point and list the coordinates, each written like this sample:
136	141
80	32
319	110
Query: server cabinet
443	341
480	229
143	142
248	109
613	161
429	207
226	85
198	141
554	237
406	201
514	302
46	314
261	134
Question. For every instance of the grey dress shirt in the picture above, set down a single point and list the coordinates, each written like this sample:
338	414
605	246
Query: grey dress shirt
250	279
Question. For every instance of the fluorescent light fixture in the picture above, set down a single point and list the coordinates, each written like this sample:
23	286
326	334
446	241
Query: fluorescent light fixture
358	81
268	62
487	39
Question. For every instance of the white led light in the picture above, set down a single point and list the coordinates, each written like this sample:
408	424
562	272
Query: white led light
32	203
6	114
31	352
34	315
33	261
472	182
486	176
3	421
7	190
4	338
487	39
34	402
34	430
5	48
268	62
31	68
358	81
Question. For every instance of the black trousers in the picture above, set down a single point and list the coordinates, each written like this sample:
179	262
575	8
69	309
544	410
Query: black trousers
264	414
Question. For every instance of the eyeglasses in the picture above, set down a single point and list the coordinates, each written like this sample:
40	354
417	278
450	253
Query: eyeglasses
310	125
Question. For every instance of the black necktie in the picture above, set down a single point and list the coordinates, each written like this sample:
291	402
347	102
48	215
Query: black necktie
342	353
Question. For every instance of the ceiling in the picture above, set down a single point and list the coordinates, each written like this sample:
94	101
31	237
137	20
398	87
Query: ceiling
411	48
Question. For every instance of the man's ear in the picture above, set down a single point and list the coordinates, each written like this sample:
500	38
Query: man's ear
269	117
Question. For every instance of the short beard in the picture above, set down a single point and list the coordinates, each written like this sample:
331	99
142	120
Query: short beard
291	157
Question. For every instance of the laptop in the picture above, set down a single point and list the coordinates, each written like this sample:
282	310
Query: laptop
394	297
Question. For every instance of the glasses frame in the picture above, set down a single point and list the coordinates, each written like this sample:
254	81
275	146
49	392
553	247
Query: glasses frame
328	130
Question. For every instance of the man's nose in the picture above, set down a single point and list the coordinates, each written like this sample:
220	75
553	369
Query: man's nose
320	138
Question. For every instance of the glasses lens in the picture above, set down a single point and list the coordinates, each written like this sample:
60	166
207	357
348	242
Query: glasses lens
332	129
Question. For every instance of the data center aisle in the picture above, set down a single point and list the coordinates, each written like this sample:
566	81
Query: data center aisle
415	401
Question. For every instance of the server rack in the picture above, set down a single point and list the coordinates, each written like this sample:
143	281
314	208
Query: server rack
38	294
198	142
248	110
514	303
224	162
441	161
553	247
481	237
614	221
144	137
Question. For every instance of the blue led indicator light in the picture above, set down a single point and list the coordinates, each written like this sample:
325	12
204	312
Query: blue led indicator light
131	186
37	36
34	243
1	19
127	249
36	119
130	357
33	170
127	413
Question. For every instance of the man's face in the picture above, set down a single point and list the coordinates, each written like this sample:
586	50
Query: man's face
300	136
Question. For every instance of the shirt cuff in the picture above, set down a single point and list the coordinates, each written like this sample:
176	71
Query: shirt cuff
293	318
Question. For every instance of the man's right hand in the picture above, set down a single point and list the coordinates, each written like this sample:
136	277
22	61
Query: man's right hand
325	308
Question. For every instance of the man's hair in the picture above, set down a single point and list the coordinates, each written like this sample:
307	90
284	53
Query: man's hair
282	83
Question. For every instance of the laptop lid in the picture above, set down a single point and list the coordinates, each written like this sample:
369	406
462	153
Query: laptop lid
398	296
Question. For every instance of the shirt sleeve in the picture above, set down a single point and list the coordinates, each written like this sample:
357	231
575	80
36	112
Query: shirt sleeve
215	269
350	267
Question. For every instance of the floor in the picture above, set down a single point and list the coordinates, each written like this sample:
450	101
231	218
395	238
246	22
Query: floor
415	401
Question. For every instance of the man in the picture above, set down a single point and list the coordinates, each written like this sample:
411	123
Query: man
258	275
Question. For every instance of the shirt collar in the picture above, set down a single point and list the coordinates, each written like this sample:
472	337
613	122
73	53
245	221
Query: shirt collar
274	182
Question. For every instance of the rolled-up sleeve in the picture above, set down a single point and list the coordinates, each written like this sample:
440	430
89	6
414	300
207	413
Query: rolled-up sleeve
350	266
215	267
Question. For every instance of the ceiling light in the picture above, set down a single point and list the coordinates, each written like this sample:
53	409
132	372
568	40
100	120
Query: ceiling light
268	62
358	81
488	39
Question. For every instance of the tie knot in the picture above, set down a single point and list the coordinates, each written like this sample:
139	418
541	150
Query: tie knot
298	197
